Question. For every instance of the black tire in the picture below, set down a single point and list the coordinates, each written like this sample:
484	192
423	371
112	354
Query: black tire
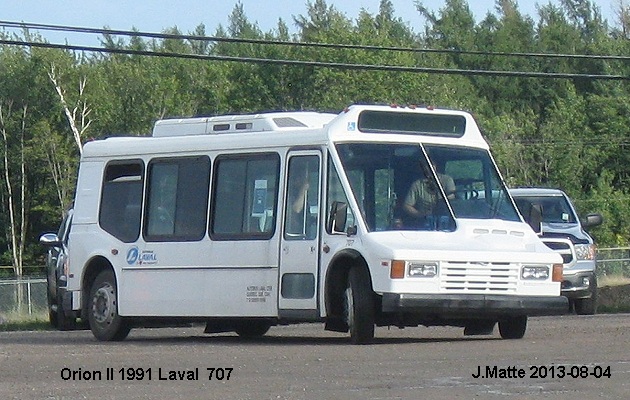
587	306
64	322
252	329
513	327
52	314
52	317
105	322
359	306
52	303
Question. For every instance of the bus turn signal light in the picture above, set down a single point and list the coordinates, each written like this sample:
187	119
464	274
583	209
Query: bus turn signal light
397	270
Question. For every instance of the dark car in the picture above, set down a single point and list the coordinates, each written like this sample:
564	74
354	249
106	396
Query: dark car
56	275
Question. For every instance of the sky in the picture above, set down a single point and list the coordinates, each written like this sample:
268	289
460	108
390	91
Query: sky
186	15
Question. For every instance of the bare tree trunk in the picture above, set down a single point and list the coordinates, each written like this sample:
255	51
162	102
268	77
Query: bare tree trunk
23	204
17	232
78	124
59	174
79	120
623	13
9	187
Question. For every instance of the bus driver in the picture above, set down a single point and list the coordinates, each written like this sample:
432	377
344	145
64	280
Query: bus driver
423	198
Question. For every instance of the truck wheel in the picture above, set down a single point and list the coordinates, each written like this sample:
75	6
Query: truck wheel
513	327
64	322
585	306
588	306
359	306
105	322
52	314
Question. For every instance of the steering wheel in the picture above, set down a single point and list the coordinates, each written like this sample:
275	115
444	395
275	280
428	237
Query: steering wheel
467	194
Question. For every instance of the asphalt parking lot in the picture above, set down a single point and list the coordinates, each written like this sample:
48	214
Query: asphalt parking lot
567	357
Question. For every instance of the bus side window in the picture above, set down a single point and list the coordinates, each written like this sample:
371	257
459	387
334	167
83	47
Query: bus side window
245	196
121	198
177	199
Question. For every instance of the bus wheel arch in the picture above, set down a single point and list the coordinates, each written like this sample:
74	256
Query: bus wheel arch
100	302
92	269
350	300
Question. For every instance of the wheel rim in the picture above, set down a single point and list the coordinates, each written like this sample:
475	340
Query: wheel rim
349	307
103	304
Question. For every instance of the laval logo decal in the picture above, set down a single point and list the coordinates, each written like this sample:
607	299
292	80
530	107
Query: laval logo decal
132	255
135	256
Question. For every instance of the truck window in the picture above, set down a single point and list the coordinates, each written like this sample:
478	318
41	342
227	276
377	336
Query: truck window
555	209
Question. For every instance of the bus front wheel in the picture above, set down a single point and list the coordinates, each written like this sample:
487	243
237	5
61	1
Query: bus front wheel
105	322
359	306
513	327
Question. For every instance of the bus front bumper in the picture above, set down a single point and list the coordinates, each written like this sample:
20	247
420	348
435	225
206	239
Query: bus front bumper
473	305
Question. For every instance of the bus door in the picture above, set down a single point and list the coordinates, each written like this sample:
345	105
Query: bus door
299	255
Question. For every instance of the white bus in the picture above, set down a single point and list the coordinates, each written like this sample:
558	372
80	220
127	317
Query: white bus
378	216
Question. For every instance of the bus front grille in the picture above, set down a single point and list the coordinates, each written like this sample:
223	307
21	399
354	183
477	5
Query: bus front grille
479	277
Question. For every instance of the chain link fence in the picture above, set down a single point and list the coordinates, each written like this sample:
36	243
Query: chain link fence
25	296
613	261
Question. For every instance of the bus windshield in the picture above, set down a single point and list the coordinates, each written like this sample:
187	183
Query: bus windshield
423	187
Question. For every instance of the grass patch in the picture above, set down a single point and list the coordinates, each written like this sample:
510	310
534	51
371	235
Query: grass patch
620	309
14	321
613	280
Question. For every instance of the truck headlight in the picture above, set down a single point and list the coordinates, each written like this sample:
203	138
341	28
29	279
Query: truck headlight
535	272
585	251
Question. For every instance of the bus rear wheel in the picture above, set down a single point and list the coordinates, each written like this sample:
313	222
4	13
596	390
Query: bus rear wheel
252	329
105	322
359	306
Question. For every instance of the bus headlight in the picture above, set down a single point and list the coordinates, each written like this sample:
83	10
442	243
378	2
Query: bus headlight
400	269
423	269
535	272
585	251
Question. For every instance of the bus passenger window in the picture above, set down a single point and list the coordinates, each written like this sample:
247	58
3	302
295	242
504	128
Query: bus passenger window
162	197
245	196
177	199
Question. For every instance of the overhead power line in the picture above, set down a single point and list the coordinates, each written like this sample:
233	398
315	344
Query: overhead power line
347	66
113	32
320	64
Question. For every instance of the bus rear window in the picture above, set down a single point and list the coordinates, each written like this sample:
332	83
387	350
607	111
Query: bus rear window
121	200
412	123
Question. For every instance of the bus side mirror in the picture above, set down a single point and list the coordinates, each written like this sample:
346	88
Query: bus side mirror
534	219
338	217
